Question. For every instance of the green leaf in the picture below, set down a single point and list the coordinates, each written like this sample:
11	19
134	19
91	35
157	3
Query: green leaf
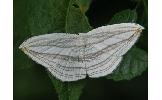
35	17
21	32
21	61
124	16
48	16
132	65
84	5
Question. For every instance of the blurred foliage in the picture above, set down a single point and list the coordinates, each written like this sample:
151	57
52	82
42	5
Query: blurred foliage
35	17
125	16
132	65
68	90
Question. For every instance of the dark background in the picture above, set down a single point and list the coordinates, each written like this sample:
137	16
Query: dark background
27	86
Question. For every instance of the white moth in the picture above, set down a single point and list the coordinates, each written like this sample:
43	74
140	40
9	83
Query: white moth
70	57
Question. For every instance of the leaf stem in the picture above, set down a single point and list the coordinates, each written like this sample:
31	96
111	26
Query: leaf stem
67	14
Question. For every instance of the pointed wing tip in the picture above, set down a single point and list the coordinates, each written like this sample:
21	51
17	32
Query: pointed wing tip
140	27
22	46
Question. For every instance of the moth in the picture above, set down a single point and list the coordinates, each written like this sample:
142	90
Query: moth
71	57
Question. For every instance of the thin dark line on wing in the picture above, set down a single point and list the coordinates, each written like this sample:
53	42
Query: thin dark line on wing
99	64
104	70
104	50
55	62
44	38
56	45
128	42
135	35
41	40
88	56
58	72
67	75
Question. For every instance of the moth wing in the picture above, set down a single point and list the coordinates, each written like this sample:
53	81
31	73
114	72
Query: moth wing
106	45
59	53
